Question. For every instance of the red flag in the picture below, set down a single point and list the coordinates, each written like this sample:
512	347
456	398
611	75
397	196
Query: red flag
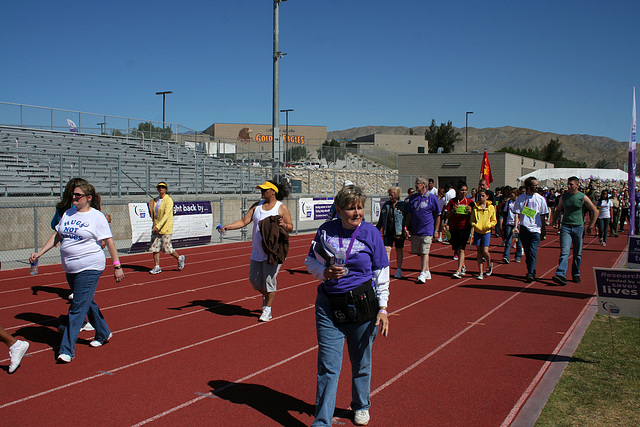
485	169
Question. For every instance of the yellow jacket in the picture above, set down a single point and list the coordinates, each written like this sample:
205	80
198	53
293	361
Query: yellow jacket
483	220
164	221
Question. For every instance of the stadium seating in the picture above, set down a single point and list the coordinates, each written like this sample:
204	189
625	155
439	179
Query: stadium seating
39	162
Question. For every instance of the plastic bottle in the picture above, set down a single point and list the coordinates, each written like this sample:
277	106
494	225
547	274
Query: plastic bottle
220	229
341	257
34	268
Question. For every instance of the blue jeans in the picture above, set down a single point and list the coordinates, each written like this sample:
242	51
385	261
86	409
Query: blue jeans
83	285
331	338
507	243
530	242
570	234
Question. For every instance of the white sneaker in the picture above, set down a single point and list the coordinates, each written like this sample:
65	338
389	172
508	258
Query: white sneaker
98	343
479	276
180	262
71	296
489	269
87	327
457	275
398	274
64	358
16	352
361	417
463	271
265	316
427	275
421	278
156	270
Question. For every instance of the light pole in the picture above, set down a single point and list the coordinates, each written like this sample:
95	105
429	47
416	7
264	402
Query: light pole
163	104
286	133
276	146
466	131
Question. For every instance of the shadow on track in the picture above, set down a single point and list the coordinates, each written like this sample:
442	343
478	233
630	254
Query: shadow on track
555	293
272	403
61	292
219	307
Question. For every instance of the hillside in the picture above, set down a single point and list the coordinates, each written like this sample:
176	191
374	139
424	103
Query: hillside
584	148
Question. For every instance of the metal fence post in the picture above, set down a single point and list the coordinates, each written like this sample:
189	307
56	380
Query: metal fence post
221	216
119	177
243	231
35	229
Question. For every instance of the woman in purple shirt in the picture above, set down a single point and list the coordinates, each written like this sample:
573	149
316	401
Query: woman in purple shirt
349	258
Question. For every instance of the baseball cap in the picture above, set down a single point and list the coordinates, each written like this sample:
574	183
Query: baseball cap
267	185
162	184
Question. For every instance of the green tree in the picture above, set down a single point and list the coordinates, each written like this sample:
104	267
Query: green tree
444	136
156	132
331	151
602	164
297	153
552	152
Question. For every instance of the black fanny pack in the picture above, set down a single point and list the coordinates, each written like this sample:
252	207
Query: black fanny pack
355	306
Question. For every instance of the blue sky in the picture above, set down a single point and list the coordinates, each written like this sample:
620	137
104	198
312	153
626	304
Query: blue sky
557	66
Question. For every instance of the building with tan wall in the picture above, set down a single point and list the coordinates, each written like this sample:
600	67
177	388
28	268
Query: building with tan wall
410	144
452	168
259	138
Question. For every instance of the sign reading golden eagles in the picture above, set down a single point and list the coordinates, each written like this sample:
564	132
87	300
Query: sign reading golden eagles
296	139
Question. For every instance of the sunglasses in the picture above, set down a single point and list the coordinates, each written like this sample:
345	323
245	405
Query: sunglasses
78	195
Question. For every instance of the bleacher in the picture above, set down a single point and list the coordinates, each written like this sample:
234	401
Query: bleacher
40	162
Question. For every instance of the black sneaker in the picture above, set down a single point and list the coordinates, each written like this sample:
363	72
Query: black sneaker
529	278
489	269
576	279
559	280
505	260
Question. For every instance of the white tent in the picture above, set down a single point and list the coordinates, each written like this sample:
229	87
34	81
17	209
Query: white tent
582	173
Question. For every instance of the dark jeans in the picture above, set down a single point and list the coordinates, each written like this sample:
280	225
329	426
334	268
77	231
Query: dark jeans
530	242
603	228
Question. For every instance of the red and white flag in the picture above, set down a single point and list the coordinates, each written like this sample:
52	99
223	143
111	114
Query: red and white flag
485	169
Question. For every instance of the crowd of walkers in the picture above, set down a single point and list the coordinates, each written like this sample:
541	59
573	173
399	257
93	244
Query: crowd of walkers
348	256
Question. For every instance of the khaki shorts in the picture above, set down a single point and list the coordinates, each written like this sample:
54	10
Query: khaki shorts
262	275
161	242
420	244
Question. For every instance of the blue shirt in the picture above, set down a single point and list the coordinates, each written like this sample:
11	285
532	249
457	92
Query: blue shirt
367	254
424	211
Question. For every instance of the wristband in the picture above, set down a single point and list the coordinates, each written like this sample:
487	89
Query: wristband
116	263
383	312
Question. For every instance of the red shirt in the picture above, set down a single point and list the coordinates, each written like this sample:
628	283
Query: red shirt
458	221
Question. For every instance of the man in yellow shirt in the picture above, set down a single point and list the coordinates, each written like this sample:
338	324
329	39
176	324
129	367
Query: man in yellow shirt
161	210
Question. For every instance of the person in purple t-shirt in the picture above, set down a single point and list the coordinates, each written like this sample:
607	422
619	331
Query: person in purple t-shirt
423	219
348	256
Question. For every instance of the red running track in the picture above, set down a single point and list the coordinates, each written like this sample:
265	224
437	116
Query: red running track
188	348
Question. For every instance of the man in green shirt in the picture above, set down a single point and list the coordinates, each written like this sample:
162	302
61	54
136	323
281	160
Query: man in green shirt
572	230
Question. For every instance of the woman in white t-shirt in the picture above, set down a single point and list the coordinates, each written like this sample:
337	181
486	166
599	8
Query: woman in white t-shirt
262	274
81	230
604	204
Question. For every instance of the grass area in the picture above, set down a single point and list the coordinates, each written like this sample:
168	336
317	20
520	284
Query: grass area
601	385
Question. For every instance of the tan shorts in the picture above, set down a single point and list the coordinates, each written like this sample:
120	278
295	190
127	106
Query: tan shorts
161	242
420	244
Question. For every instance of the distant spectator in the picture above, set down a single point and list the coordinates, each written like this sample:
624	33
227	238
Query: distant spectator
422	220
605	206
161	209
458	213
483	219
530	208
391	223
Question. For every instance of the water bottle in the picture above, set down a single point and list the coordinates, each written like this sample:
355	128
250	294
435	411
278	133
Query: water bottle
34	268
221	230
341	259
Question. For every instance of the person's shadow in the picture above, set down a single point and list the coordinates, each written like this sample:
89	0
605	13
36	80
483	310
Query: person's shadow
219	307
272	403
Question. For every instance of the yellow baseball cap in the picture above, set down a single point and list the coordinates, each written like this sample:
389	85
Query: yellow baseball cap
161	184
267	185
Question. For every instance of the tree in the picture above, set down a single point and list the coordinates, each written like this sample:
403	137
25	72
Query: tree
151	131
444	136
297	153
331	151
552	152
602	164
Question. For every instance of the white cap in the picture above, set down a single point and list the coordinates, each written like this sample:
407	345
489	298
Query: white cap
347	183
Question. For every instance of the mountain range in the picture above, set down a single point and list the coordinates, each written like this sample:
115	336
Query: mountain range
583	148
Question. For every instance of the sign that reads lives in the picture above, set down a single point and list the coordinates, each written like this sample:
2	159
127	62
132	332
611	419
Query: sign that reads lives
618	291
192	225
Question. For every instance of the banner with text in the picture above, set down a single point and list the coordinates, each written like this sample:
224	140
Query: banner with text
192	225
618	291
314	209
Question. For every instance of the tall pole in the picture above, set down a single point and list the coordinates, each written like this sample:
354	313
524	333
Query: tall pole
286	133
163	104
466	131
276	147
